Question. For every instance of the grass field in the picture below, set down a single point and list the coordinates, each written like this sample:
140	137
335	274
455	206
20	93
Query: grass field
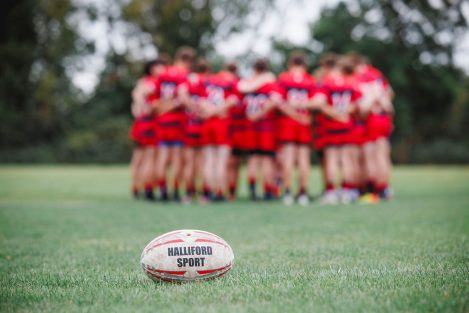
71	238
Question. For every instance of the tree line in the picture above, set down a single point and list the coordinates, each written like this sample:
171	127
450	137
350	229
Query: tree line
45	118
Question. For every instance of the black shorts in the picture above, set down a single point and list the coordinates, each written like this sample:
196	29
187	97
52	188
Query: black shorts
258	152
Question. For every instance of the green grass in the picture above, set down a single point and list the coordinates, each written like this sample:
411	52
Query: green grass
71	238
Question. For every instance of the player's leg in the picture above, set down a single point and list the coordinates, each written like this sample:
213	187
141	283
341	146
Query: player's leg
147	171
322	168
135	170
304	165
221	139
348	163
176	168
188	173
332	171
208	172
363	171
252	170
198	171
288	152
278	173
155	166
372	170
384	166
267	167
221	166
162	163
233	175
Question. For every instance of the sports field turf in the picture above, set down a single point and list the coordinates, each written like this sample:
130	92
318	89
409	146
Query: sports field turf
71	238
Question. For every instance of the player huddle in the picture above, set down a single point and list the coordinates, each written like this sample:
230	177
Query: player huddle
193	129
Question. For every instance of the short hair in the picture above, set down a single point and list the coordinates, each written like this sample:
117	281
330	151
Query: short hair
185	54
357	58
202	66
261	65
164	57
328	59
231	67
346	65
297	58
149	65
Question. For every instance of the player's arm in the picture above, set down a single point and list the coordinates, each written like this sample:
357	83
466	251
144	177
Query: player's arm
319	104
135	109
139	93
185	98
141	90
293	113
386	102
251	85
262	110
162	106
274	101
207	109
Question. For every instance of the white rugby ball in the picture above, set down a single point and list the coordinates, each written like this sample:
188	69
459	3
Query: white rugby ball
186	255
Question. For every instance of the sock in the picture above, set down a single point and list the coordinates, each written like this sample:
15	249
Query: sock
206	190
329	186
252	185
302	191
275	190
362	189
370	186
162	185
232	190
149	191
348	186
219	193
380	188
190	190
148	187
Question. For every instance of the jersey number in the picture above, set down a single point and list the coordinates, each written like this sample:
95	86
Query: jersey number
341	100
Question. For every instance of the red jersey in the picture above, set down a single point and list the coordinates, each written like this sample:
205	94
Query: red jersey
219	87
261	133
169	80
255	101
342	94
195	86
151	84
374	87
371	82
297	88
171	123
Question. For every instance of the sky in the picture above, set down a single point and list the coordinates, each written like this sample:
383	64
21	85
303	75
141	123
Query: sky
291	22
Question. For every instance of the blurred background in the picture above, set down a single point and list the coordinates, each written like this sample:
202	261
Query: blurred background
67	66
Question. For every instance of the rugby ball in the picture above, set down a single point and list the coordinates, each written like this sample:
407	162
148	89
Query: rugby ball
186	255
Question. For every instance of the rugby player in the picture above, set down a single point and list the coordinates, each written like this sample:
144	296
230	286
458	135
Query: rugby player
261	99
171	120
192	94
294	135
377	109
338	139
144	131
327	65
215	132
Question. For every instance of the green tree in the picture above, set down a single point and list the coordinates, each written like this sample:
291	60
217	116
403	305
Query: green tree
413	43
173	23
36	93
